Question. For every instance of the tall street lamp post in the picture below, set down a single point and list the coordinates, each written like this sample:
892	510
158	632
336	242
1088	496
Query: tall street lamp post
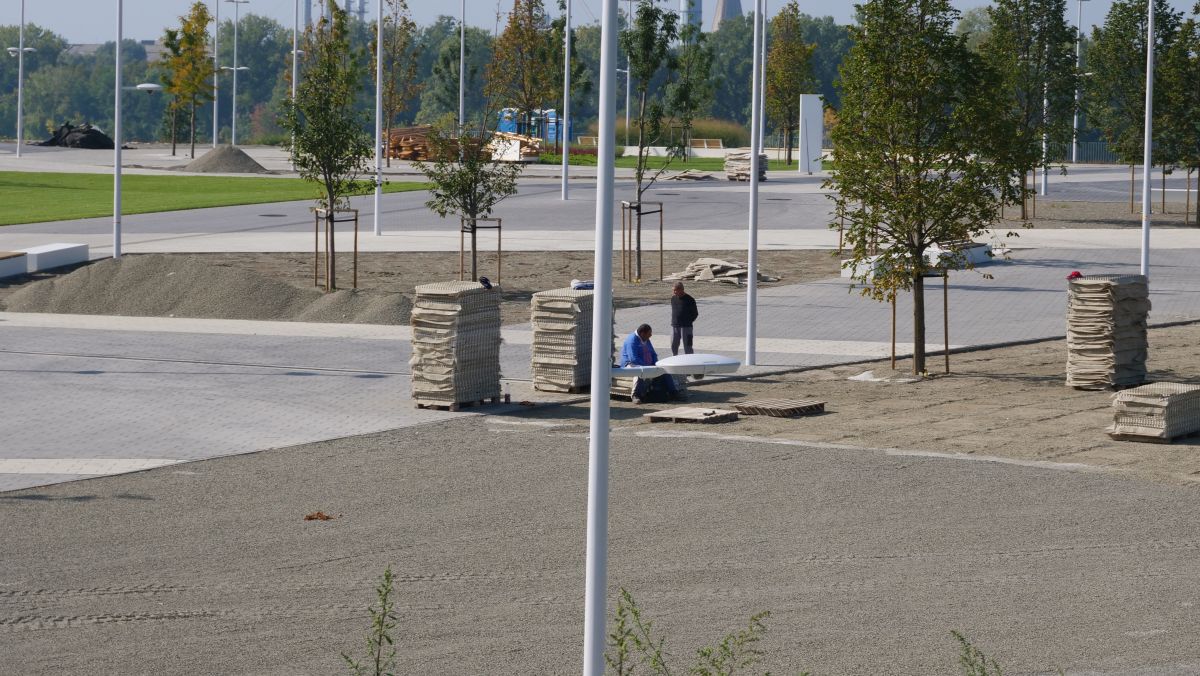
117	141
1078	67
379	116
216	68
564	120
755	150
1147	156
19	52
462	68
233	122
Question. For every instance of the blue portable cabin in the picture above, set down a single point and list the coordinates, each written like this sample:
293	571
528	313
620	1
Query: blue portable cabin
543	123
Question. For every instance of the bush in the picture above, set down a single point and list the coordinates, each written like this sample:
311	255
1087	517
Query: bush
732	134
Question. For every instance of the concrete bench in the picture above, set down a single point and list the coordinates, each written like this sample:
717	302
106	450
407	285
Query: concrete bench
12	263
47	256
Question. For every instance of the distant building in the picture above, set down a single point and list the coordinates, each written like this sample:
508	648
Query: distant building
154	49
726	9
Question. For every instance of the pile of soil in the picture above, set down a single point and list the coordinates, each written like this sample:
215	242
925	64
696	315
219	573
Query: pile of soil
225	160
85	136
185	286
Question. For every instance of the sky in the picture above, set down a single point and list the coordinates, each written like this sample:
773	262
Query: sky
82	21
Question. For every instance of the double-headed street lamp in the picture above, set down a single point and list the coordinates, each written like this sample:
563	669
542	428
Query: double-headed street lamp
19	52
235	68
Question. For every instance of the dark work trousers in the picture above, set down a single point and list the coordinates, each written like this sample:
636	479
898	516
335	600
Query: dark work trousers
684	333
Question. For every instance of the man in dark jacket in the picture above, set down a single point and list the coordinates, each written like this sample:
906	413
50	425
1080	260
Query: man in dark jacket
683	315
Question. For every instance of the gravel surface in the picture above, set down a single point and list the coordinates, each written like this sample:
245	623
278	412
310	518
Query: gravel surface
225	159
1059	215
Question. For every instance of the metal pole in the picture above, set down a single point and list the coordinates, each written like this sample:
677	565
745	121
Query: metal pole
296	56
379	117
762	93
1078	68
233	123
1045	139
117	137
21	83
1147	156
216	67
628	70
462	68
596	587
755	147
564	120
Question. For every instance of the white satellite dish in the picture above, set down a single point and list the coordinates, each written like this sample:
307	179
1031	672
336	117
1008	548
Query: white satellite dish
698	364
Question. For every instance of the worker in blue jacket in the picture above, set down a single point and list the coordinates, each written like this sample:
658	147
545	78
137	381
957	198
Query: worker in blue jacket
637	350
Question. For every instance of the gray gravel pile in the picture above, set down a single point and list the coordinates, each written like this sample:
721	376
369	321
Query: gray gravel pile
225	160
175	286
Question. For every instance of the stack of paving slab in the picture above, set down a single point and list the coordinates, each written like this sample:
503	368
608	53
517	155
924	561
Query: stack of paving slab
455	344
1157	412
737	165
562	340
717	270
1106	331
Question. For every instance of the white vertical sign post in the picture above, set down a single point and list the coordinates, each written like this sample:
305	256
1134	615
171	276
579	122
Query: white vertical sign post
755	150
596	570
379	118
1147	154
564	120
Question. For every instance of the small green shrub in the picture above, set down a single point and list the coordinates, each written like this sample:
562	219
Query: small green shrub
972	660
381	651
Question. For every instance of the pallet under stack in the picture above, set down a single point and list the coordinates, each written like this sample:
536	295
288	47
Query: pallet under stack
1106	331
1158	412
456	345
562	340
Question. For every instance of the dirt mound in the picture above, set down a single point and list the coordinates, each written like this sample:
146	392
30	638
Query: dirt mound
178	286
225	160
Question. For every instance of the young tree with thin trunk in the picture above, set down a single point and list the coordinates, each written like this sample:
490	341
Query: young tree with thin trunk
789	72
330	145
400	83
918	150
172	65
1179	76
188	69
692	89
521	74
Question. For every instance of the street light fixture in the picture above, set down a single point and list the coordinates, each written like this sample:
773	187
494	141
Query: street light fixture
233	124
147	87
19	52
564	120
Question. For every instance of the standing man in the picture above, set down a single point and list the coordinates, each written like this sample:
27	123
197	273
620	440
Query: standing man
683	315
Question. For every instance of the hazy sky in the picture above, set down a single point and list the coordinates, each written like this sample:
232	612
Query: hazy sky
95	20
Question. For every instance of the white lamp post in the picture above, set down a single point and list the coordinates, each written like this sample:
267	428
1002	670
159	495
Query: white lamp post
19	52
1078	67
755	149
564	120
379	116
628	70
462	68
216	67
233	122
596	567
1147	154
117	89
296	52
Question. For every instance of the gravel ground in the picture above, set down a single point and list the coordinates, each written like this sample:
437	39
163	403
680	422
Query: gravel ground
866	556
1058	215
228	284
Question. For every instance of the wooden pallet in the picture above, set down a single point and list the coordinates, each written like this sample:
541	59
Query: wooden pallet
442	406
693	415
781	408
1151	440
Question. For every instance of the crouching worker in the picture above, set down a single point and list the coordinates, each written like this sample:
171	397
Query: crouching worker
638	351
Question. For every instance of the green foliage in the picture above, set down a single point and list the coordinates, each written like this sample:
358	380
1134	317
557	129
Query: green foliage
400	61
921	151
188	68
522	73
647	44
381	649
973	661
439	94
1178	75
788	71
735	652
975	27
692	91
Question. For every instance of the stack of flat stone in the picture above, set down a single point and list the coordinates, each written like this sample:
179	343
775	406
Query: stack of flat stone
717	270
562	340
456	344
1156	412
1106	331
737	165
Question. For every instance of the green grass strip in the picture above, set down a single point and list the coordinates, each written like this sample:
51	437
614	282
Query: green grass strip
39	197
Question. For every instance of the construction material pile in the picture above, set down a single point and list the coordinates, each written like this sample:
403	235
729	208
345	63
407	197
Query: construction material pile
455	343
717	270
409	143
225	159
83	136
1156	412
737	165
509	147
1106	331
562	340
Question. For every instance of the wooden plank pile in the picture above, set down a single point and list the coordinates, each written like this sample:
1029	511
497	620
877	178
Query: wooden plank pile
562	340
781	408
717	270
737	165
410	143
455	345
692	415
1106	331
1159	412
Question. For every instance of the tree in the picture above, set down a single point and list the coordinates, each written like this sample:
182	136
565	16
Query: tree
400	62
47	47
439	94
188	69
733	62
692	91
1033	49
329	144
466	179
1115	93
789	73
975	26
580	82
1179	75
917	150
521	74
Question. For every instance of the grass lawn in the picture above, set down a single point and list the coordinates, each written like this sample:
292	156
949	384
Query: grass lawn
38	197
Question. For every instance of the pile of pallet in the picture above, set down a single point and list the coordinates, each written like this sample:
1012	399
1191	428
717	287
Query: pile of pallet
1158	412
455	345
1106	331
410	143
737	165
717	270
562	340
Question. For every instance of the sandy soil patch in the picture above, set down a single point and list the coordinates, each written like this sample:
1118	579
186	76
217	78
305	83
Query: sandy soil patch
1062	215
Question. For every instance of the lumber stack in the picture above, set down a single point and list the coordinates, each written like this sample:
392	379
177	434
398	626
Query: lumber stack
456	344
1106	331
562	340
737	165
410	143
717	270
1158	412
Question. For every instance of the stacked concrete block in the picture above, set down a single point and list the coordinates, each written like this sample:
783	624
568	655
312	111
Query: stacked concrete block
737	165
562	340
1106	331
456	344
1156	412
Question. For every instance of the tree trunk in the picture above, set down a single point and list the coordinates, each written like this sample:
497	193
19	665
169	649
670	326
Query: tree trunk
1131	209
174	126
1187	193
387	143
787	144
1024	195
918	324
474	251
330	253
192	125
1164	189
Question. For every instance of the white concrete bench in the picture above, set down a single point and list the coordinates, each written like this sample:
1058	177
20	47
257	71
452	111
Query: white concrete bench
12	263
47	256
